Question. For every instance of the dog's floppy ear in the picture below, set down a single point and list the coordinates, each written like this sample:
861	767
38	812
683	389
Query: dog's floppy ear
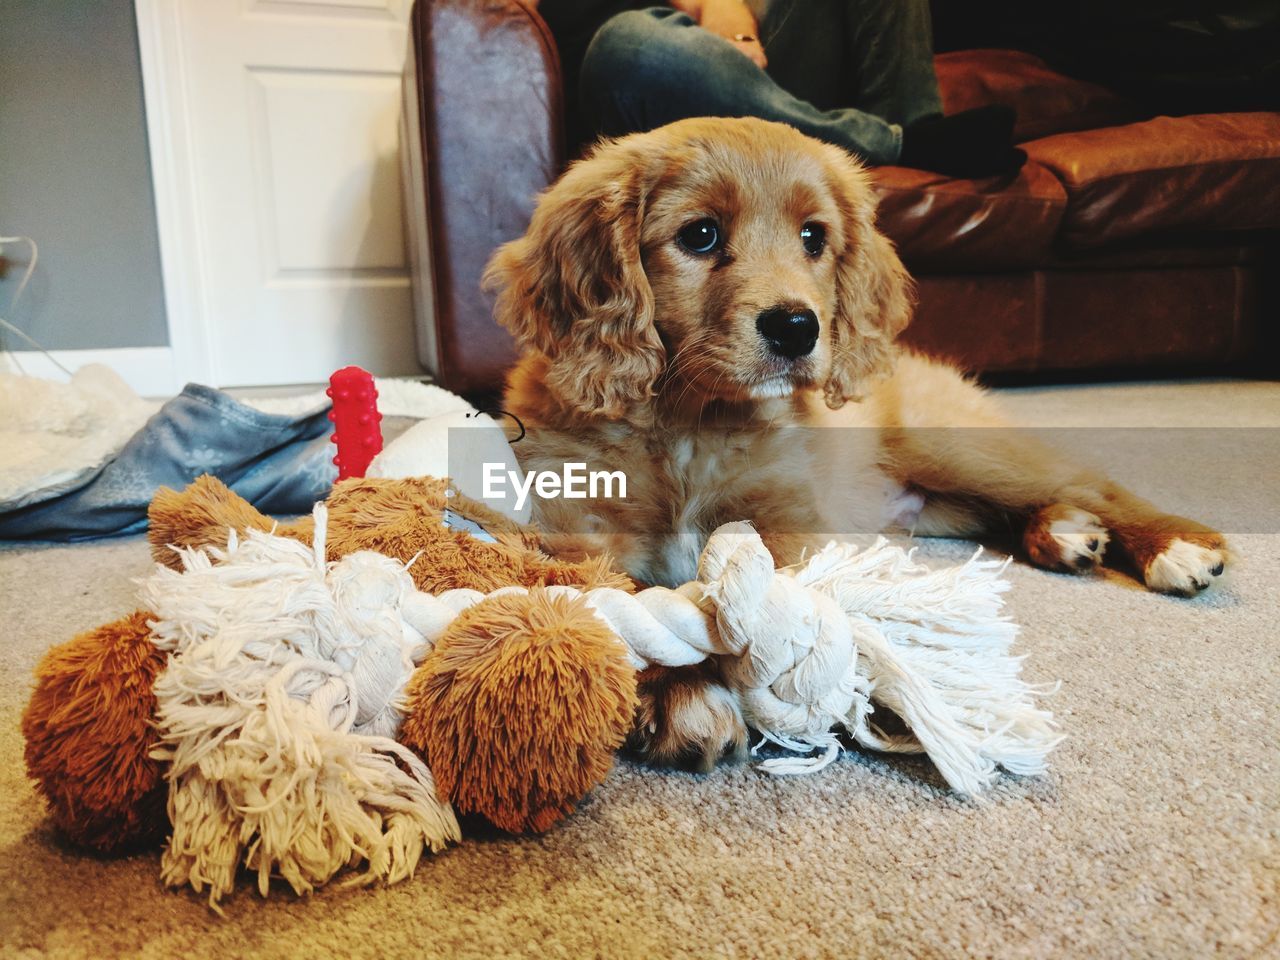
873	289
573	286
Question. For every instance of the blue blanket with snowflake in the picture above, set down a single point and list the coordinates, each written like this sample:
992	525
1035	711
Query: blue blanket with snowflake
281	464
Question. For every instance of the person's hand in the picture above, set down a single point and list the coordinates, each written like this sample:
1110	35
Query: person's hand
732	20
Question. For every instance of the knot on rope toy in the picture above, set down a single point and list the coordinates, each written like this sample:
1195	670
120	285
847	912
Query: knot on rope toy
821	644
790	649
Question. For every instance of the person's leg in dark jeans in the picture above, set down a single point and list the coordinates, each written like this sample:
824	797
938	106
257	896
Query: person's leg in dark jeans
873	55
880	62
890	44
646	68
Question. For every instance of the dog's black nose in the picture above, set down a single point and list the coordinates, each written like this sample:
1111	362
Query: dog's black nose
789	333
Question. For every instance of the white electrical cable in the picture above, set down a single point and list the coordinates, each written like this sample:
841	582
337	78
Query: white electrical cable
13	302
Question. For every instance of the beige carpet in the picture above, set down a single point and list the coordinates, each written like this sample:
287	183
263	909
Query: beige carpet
1157	834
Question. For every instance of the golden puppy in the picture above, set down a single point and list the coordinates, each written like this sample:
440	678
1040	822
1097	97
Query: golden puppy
690	301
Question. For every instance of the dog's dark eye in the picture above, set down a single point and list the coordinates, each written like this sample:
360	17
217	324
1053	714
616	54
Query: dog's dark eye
814	238
700	237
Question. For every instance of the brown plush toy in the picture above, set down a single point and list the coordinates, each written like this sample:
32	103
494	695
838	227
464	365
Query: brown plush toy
562	677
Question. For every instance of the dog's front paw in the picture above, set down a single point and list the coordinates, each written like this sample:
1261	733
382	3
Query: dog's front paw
1062	537
1187	565
687	718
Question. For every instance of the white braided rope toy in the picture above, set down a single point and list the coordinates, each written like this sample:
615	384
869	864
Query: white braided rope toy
808	648
280	701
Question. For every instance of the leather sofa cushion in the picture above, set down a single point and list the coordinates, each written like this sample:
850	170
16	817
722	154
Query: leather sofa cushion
1047	102
944	225
1059	320
1171	176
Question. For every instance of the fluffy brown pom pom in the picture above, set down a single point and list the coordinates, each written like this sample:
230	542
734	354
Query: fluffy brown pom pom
520	707
88	732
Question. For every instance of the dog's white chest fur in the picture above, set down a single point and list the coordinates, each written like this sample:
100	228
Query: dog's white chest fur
692	474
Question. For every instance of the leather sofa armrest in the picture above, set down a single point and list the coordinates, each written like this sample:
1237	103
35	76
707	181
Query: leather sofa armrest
490	116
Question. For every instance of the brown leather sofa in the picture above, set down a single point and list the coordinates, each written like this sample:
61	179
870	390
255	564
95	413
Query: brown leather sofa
1127	243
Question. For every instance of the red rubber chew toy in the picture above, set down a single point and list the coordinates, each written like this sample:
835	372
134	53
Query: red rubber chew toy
355	419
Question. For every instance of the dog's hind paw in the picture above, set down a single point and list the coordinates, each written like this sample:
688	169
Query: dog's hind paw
1186	567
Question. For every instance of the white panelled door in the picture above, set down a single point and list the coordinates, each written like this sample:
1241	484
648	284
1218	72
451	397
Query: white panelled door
276	141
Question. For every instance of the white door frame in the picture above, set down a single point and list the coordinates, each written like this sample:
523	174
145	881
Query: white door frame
183	260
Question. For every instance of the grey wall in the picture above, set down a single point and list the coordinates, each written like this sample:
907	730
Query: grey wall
74	174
